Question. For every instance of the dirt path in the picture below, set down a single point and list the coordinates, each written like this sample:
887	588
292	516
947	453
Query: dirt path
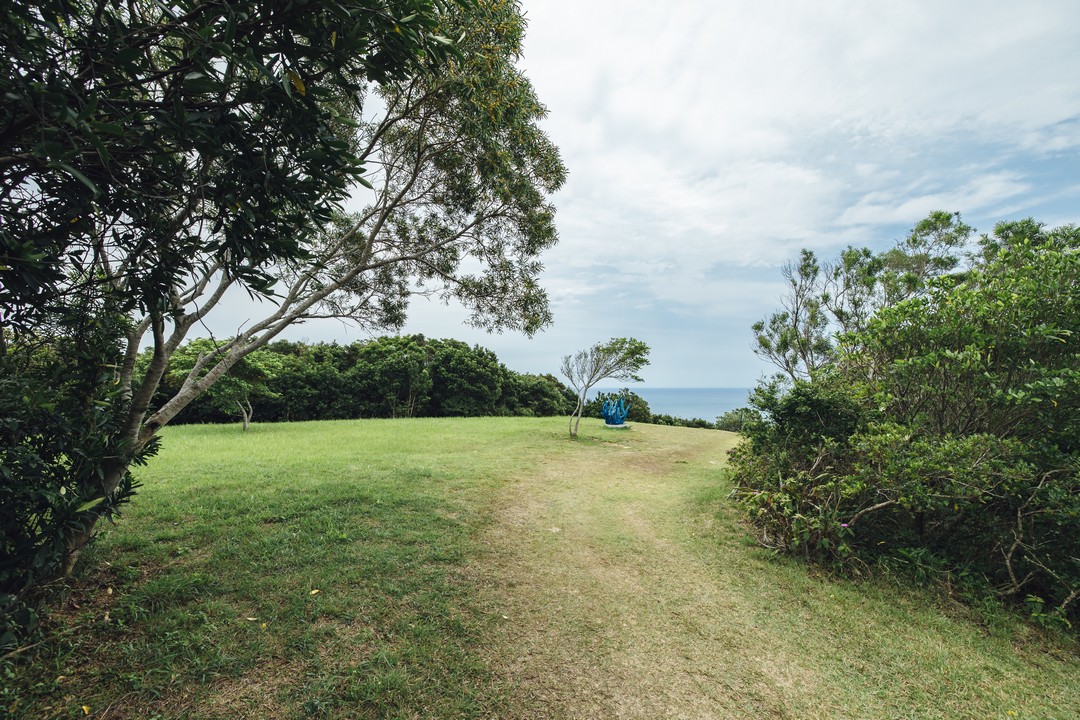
606	611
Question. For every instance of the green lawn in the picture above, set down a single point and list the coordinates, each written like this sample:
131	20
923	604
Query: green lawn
318	562
357	570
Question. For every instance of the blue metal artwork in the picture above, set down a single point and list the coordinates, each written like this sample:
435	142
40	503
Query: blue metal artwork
614	412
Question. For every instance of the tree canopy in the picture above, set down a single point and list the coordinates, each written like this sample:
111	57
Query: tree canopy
144	143
938	432
155	157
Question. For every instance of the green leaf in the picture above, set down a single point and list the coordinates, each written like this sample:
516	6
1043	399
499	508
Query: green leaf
78	176
89	504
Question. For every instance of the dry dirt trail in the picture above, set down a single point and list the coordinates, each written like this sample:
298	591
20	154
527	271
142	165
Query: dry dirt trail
606	610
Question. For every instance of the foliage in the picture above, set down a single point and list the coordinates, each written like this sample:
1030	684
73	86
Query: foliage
148	142
537	395
58	413
794	338
738	420
823	302
671	420
617	359
946	427
386	377
157	156
464	381
246	381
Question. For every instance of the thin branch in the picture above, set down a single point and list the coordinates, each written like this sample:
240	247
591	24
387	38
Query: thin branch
873	508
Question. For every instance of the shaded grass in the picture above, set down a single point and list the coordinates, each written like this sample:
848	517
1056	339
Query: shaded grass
297	570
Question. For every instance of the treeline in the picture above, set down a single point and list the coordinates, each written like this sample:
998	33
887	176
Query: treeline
387	377
928	418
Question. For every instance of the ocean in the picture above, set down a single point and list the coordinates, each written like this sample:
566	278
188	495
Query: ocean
705	403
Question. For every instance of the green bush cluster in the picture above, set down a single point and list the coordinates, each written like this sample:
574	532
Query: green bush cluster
737	420
59	422
944	432
387	377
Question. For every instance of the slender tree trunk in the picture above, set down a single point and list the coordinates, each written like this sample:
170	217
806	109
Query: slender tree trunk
575	417
75	544
246	411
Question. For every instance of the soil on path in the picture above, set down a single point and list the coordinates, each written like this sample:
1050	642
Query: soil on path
605	609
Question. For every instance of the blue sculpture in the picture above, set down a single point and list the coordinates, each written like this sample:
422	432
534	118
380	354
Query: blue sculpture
614	412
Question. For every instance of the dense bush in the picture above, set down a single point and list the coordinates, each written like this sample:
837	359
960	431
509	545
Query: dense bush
737	420
665	419
537	395
945	428
388	377
60	415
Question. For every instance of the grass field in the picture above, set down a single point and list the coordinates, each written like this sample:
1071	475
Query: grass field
491	568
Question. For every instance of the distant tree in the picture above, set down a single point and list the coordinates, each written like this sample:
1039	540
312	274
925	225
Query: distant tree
389	377
535	395
617	359
738	420
310	384
795	339
465	381
245	382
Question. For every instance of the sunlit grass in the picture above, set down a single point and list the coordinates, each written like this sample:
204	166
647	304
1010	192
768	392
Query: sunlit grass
330	570
292	570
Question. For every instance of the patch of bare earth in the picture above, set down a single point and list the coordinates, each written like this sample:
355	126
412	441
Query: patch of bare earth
603	609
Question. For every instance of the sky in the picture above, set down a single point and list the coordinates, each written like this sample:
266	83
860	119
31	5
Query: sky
707	141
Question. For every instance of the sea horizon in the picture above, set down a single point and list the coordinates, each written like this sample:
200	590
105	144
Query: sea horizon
707	403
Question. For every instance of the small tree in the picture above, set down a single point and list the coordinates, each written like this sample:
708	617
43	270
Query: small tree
234	391
825	301
617	359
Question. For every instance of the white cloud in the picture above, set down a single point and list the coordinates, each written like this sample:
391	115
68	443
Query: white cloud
704	135
981	191
708	140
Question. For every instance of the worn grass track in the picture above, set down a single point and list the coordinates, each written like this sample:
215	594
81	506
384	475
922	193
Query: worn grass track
493	568
626	589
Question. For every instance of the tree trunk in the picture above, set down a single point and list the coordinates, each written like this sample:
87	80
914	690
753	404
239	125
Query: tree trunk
246	411
575	417
78	541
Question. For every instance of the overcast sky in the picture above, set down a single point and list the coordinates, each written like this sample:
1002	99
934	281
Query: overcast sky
708	140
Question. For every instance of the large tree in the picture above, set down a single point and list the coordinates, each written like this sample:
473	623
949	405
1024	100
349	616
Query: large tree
198	147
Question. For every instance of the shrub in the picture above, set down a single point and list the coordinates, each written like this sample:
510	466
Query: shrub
738	420
59	419
944	428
